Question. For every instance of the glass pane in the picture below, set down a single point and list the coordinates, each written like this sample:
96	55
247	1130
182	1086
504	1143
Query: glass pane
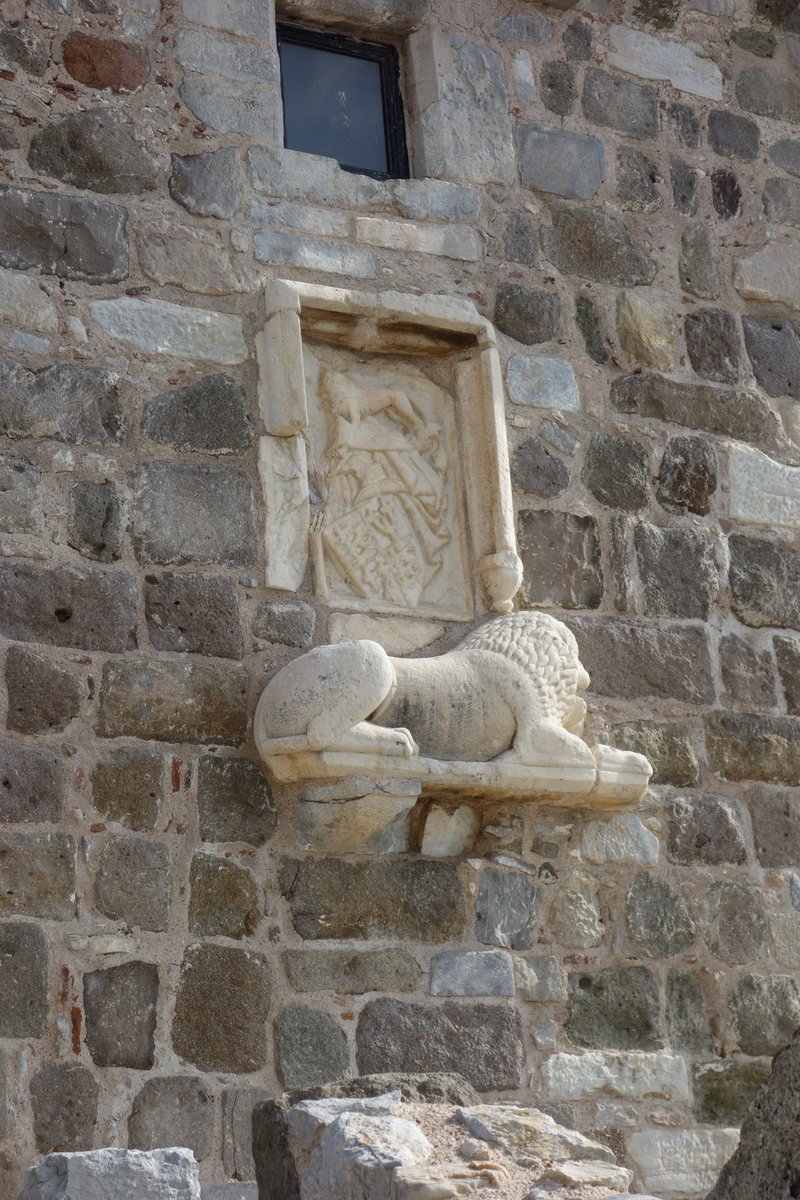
333	105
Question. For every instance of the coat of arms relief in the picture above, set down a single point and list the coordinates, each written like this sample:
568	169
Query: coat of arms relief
385	470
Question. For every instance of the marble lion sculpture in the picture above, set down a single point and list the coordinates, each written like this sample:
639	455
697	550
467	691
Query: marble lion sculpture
511	691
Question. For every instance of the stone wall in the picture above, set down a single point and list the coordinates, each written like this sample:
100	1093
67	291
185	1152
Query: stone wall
617	186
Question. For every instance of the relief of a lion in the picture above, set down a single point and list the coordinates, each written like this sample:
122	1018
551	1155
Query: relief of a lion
511	689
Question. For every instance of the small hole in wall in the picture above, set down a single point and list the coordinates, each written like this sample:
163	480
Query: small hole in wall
585	983
63	615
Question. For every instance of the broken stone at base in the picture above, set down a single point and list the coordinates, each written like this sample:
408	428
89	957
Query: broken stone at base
115	1175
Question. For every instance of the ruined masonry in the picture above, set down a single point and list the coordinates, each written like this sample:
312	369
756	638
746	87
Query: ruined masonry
510	450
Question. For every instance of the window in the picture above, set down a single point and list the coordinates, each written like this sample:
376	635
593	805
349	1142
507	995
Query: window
341	99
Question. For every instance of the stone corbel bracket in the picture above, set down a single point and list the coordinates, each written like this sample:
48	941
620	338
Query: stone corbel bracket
399	326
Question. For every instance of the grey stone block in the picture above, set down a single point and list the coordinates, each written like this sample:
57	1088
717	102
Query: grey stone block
63	402
726	194
351	972
531	29
237	1130
684	186
713	344
210	416
561	558
765	93
616	1008
120	1008
207	185
43	697
773	347
86	608
21	45
37	875
194	614
135	1174
174	1111
100	150
589	243
637	180
67	236
765	582
128	787
678	571
667	746
733	136
705	829
787	652
23	980
687	1019
745	746
193	514
521	240
658	918
133	883
34	783
206	1030
775	816
616	471
687	476
748	673
742	415
559	92
785	153
20	495
171	700
410	899
482	1042
506	908
696	266
684	125
235	801
97	526
633	659
619	104
285	622
588	323
537	472
760	42
527	316
223	901
578	41
472	973
767	1012
723	1092
310	1047
64	1099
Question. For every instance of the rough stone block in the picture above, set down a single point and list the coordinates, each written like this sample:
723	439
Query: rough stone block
616	1008
697	269
747	673
310	1047
20	44
658	918
285	622
23	980
412	899
681	1161
559	92
194	614
174	1111
482	1042
210	416
235	801
42	696
631	659
687	1022
748	746
87	608
667	746
680	63
120	1008
712	341
314	254
223	900
685	125
207	185
738	414
531	28
64	1099
25	304
537	472
173	329
538	978
637	179
733	922
630	1076
351	972
617	103
67	236
773	347
237	1131
617	472
705	829
589	243
472	973
575	912
559	162
173	701
97	526
37	875
34	783
771	274
138	1175
128	787
775	817
765	93
62	402
591	331
231	107
621	838
767	1012
210	54
542	382
687	476
207	1030
723	1092
684	182
785	153
104	63
561	558
787	652
193	514
726	194
506	908
678	571
378	823
765	582
521	240
20	496
733	136
134	882
527	316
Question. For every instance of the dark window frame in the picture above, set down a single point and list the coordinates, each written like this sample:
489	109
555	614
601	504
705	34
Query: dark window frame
388	60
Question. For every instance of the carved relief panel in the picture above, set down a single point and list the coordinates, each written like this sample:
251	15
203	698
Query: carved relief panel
386	462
